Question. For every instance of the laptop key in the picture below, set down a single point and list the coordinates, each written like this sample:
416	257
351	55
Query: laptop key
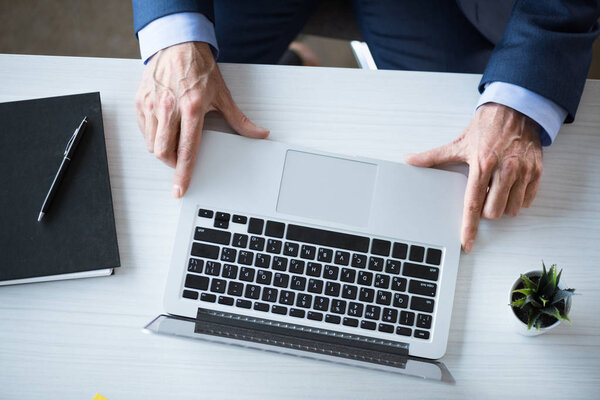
230	271
401	330
434	256
228	301
359	261
281	280
421	304
400	300
243	303
422	288
274	246
399	251
350	322
399	284
323	237
245	257
365	278
332	289
308	252
420	271
222	216
296	266
348	275
407	318
416	253
262	260
349	292
239	219
269	294
261	306
325	255
386	328
331	272
275	229
204	213
263	277
315	316
286	297
291	249
421	334
392	267
252	292
279	309
213	268
366	295
384	297
372	312
424	321
321	303
382	281
355	309
240	240
195	265
315	286
235	288
279	263
370	325
257	243
221	224
381	247
332	319
256	226
342	258
247	274
205	250
212	235
338	306
313	269
298	283
376	264
196	282
304	300
208	297
190	294
228	254
389	315
296	312
218	285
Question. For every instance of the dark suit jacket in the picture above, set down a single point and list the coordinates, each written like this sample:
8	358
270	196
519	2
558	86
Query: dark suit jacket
542	45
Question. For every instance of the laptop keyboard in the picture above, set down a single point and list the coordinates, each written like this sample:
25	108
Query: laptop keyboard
335	278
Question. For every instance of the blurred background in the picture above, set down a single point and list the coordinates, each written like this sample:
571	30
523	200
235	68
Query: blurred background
105	29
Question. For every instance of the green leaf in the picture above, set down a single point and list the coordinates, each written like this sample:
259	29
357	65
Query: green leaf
531	300
565	316
552	311
558	277
549	285
562	294
518	303
533	319
526	292
528	282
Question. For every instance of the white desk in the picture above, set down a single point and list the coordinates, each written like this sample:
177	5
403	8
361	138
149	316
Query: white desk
71	339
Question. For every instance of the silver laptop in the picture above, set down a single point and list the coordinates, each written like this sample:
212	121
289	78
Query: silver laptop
324	253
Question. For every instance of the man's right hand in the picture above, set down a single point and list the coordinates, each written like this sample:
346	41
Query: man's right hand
180	84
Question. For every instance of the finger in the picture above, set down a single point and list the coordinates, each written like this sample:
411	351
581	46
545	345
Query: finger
516	197
475	194
449	152
238	120
530	192
141	121
187	151
150	124
503	180
165	143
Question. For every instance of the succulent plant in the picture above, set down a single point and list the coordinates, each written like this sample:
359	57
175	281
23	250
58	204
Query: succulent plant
542	297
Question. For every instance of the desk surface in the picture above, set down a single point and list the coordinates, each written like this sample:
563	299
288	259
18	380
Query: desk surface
71	339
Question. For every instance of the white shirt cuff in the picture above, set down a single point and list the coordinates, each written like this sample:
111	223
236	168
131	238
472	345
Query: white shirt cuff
545	112
174	29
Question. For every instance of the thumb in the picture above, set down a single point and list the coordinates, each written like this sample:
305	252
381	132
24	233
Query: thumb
239	122
439	155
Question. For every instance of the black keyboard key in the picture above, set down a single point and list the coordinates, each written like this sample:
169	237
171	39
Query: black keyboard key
240	240
243	303
331	272
262	260
421	304
390	315
365	278
196	282
286	297
372	312
263	277
270	294
247	274
296	312
190	294
321	303
367	295
327	238
291	249
424	321
401	330
204	213
384	297
350	322
399	251
407	318
252	292
230	271
235	288
228	301
422	288
392	267
315	316
308	252
208	297
355	309
421	334
348	275
218	285
275	309
256	226
298	283
275	229
281	280
239	219
382	281
213	268
245	257
195	265
221	224
304	300
315	286
386	328
325	255
205	251
296	267
332	289
342	258
349	292
376	264
279	263
420	271
222	216
261	306
274	246
228	254
370	325
400	300
257	243
381	247
359	260
332	319
399	284
313	269
434	256
416	253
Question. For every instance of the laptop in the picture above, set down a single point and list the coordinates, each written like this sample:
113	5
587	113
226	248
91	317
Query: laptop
289	247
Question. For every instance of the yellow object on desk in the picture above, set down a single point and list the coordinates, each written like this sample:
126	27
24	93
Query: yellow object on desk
99	397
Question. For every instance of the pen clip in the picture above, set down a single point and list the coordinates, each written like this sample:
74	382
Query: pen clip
70	142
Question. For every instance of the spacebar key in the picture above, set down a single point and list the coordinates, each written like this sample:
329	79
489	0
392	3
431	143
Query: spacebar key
327	238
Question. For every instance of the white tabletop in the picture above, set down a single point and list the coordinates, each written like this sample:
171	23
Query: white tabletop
71	339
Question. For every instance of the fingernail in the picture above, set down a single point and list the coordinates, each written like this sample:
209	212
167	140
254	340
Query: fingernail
468	246
176	191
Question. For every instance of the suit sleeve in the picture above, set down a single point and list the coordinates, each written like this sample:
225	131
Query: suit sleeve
547	49
146	11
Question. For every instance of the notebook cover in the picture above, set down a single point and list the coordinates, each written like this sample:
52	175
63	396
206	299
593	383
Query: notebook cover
78	232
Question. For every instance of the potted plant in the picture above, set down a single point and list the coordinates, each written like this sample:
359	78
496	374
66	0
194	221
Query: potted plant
538	300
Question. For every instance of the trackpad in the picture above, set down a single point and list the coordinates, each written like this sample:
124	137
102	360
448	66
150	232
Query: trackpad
327	188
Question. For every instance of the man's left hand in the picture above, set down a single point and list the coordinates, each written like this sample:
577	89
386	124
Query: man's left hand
504	153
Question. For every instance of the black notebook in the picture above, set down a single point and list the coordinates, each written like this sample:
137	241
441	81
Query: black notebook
77	236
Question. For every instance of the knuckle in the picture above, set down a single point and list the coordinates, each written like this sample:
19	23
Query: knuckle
488	162
166	103
185	154
511	166
474	207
